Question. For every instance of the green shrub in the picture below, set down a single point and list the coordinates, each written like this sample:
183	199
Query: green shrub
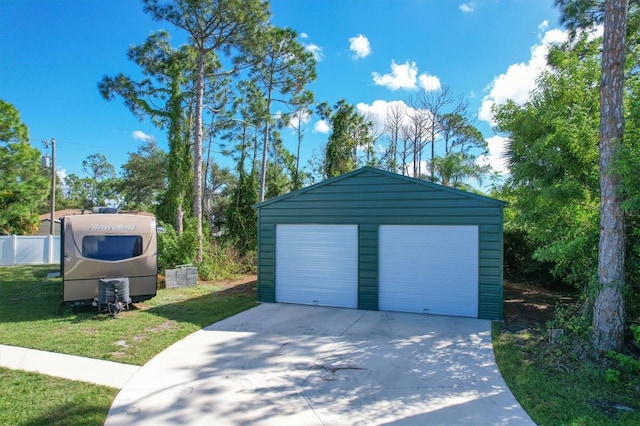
628	364
225	261
220	260
635	331
519	261
174	249
575	319
612	376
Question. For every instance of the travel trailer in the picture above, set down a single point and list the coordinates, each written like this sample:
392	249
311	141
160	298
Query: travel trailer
99	247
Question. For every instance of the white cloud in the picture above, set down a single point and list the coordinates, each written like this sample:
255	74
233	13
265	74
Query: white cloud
554	36
360	46
543	26
429	82
520	79
402	76
299	119
142	136
405	76
321	126
304	35
378	108
496	157
468	7
315	50
377	111
61	174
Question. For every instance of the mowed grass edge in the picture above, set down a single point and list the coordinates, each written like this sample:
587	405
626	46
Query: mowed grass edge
33	316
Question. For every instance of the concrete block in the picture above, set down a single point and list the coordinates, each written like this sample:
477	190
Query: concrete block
183	276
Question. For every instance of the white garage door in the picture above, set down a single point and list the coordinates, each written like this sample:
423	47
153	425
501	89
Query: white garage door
317	265
429	269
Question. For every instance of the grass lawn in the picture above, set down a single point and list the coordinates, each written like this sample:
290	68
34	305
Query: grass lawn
33	316
35	399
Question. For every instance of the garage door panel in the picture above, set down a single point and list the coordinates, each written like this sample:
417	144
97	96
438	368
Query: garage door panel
429	269
317	264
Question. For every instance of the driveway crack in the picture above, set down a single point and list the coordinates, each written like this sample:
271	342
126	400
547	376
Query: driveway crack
352	324
301	392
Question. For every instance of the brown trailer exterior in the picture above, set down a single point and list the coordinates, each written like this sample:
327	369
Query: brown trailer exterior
97	246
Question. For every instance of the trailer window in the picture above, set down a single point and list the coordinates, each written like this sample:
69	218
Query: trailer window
111	247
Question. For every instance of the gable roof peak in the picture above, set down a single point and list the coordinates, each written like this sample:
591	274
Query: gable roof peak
384	173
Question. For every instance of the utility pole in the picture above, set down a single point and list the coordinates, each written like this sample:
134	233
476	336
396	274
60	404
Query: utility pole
46	143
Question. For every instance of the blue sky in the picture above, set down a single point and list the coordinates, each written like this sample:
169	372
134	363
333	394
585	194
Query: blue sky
370	52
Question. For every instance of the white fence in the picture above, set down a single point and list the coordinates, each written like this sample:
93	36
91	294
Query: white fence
29	250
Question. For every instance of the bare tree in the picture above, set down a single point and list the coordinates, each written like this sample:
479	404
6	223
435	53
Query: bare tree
417	131
436	103
405	151
369	157
396	115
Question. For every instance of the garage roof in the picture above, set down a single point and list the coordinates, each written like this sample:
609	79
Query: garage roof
387	174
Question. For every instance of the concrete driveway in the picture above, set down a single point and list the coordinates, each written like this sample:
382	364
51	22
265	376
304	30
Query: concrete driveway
305	365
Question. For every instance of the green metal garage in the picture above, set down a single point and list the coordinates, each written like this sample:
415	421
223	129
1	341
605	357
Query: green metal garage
376	240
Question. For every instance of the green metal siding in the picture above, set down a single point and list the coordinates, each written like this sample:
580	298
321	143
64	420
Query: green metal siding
368	267
370	198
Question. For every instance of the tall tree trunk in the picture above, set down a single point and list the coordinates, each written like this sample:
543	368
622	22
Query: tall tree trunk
197	151
265	149
416	156
263	169
296	179
394	153
241	164
179	219
177	149
608	309
405	151
433	153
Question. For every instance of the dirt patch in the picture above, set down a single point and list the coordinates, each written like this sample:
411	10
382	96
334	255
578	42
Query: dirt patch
119	355
244	285
528	306
167	325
